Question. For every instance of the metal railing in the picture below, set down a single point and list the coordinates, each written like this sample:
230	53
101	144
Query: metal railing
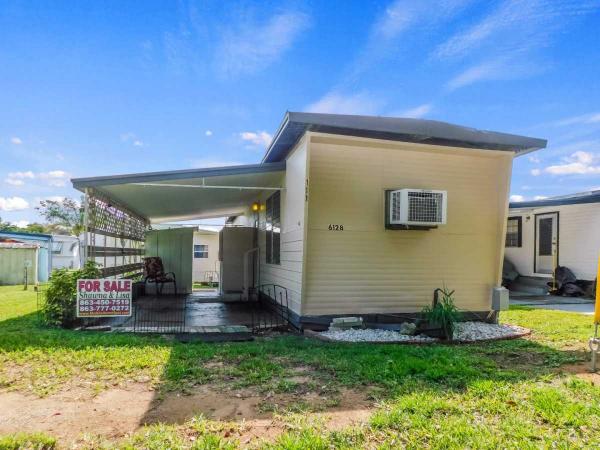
271	308
160	314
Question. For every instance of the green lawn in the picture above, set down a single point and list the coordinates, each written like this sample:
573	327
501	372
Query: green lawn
509	394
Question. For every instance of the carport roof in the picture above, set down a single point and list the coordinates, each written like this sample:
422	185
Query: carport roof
188	194
433	132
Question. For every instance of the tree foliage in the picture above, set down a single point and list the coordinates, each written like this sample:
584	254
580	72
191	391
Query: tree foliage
61	294
66	213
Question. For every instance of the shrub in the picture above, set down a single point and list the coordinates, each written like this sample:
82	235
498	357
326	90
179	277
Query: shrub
61	294
443	313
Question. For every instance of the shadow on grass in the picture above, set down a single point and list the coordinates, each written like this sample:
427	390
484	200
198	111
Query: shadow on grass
386	371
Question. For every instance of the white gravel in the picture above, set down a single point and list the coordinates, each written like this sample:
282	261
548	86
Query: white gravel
465	331
477	331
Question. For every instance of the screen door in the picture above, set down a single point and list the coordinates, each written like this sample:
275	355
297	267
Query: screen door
546	242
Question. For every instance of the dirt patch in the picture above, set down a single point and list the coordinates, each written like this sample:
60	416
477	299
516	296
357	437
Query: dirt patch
582	371
117	412
69	414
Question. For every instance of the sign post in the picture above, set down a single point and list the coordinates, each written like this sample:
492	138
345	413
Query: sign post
595	341
103	297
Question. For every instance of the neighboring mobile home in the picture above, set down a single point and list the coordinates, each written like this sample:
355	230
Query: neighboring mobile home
352	214
206	266
559	231
65	252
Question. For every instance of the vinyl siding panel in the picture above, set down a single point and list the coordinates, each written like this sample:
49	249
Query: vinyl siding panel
578	239
289	273
368	269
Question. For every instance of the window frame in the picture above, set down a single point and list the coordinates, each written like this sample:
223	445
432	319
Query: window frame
273	229
519	243
201	252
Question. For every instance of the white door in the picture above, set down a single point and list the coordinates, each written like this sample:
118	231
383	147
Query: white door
546	242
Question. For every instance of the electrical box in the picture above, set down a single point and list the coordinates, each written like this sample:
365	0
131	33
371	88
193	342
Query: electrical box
500	299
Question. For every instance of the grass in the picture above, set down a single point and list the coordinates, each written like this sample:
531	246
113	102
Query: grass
502	394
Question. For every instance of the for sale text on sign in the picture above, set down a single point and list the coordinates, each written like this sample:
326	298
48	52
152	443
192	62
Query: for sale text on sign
103	298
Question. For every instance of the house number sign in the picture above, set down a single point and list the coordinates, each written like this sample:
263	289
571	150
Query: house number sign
336	227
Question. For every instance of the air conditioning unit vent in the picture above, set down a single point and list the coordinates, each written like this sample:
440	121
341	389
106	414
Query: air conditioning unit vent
417	207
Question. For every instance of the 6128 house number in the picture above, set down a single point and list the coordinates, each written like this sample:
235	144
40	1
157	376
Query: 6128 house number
336	227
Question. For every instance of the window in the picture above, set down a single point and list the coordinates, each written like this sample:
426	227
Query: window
57	247
201	251
273	228
514	232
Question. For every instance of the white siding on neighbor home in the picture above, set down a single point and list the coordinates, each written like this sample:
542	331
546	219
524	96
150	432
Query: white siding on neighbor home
578	239
368	269
202	266
289	273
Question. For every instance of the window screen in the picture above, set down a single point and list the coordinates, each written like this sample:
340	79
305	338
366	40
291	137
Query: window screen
201	251
57	247
513	232
545	243
273	228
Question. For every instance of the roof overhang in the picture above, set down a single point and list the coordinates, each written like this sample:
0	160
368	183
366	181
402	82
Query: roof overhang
574	199
431	132
188	194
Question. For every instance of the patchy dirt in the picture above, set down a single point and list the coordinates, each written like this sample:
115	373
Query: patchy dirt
69	414
117	412
582	371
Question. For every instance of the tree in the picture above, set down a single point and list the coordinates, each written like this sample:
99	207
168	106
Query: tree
7	226
66	213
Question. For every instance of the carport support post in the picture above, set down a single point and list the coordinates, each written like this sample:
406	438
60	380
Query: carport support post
86	224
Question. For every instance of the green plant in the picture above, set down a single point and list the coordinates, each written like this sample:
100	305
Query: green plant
443	313
59	306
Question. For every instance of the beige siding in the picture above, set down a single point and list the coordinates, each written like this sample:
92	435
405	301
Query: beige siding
202	266
578	239
368	269
289	273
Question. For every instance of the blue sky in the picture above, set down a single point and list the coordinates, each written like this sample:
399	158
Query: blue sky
98	88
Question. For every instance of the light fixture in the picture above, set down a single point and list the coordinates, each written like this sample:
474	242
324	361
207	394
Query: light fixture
255	206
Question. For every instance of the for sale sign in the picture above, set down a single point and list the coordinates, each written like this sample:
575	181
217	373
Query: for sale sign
103	298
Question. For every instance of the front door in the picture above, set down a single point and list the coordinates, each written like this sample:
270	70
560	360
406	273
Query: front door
546	242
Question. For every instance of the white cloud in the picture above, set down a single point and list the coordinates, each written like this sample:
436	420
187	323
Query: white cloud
417	112
16	140
21	223
336	103
17	178
583	119
250	47
579	163
57	178
517	198
261	138
540	197
536	172
132	138
503	68
52	178
208	133
506	41
13	204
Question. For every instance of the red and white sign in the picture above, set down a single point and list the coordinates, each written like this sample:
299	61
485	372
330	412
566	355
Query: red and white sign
103	298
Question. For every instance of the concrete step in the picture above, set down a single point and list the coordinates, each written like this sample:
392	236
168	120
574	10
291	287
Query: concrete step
529	286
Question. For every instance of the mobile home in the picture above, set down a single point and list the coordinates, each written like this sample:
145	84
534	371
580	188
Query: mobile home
352	215
560	231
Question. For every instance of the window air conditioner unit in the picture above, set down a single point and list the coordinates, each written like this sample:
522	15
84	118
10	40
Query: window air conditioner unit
417	207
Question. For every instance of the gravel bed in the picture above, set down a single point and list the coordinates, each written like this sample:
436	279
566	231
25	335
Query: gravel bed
465	332
373	335
480	331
